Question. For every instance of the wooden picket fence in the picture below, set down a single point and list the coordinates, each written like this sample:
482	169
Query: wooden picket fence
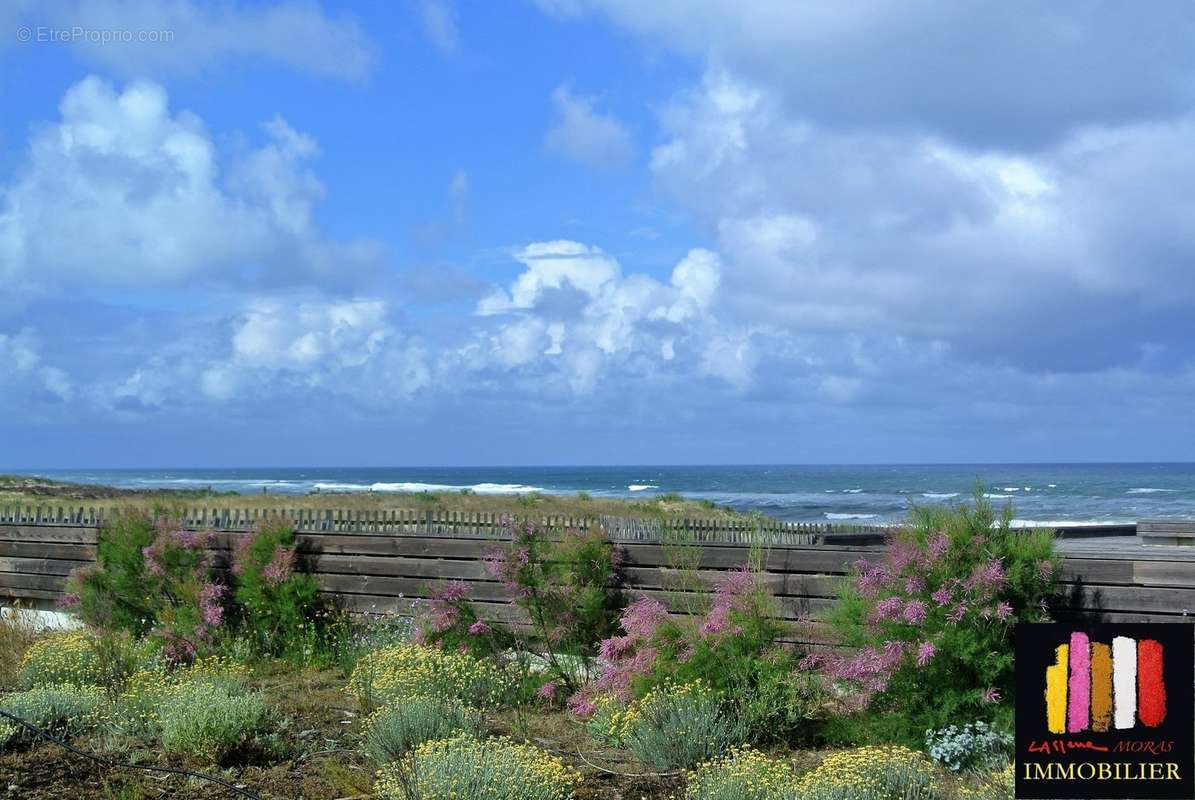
433	522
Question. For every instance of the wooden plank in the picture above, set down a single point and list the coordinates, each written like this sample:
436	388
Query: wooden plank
1151	599
1164	573
428	568
1096	570
48	533
40	566
406	587
74	552
390	545
16	580
18	594
1186	526
791	584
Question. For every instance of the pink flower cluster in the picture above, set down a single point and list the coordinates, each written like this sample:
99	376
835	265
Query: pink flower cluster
211	607
729	593
624	657
443	606
157	554
280	567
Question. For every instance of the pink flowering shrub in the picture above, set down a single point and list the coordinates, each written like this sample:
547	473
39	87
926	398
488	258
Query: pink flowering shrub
568	587
733	648
448	620
276	602
932	622
153	578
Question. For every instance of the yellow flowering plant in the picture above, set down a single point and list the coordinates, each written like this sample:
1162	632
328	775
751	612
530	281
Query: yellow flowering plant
464	767
887	772
68	657
412	670
742	774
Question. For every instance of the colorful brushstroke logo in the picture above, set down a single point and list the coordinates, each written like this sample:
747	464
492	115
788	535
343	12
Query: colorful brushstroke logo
1104	711
1099	686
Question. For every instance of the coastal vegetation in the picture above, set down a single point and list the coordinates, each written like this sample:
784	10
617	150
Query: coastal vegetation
32	491
228	663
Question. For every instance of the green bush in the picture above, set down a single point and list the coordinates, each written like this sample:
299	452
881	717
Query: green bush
776	701
209	719
933	623
277	602
153	577
393	730
118	592
66	709
679	727
465	767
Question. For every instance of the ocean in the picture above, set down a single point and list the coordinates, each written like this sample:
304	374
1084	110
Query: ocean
1046	494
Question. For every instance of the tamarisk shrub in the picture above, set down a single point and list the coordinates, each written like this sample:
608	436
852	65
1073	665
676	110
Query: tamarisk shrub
152	576
933	621
567	586
277	601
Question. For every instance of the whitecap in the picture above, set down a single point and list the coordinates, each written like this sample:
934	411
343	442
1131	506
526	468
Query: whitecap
991	496
852	491
408	487
641	487
1052	485
1011	489
1148	490
939	495
849	516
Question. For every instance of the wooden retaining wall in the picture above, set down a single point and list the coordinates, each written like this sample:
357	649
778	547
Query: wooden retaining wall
1113	579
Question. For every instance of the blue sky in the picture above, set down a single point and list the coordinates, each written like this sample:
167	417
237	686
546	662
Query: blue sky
595	231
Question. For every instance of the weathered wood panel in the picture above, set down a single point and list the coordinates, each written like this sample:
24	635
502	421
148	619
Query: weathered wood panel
369	569
1166	532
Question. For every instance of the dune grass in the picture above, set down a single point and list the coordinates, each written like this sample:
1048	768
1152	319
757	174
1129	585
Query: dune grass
29	491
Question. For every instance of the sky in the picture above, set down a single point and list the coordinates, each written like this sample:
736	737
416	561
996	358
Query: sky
595	232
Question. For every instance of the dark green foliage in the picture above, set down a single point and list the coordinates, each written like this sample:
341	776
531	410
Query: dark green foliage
277	603
117	592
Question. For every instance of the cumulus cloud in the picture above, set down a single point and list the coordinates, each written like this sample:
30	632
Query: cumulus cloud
573	315
341	346
914	235
123	192
583	134
189	37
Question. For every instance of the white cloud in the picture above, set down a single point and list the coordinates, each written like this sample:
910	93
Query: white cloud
123	192
189	37
22	368
585	135
888	233
341	346
978	75
573	315
438	19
